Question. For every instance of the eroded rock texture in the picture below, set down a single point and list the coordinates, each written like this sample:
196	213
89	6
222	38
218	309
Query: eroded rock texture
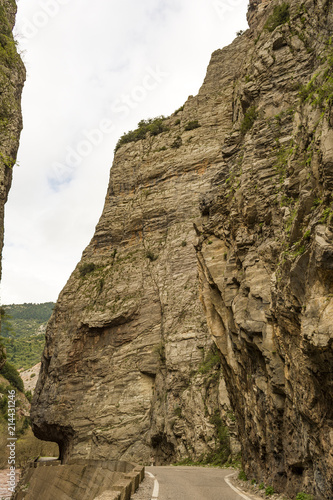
128	369
12	76
266	249
243	200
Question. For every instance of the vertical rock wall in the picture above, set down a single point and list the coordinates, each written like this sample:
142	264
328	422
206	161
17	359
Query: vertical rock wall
266	253
129	368
12	76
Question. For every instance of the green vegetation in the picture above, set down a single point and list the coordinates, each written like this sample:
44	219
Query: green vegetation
151	256
290	220
178	412
242	476
286	201
269	491
231	416
12	375
319	90
28	447
19	330
326	215
9	161
261	486
280	16
25	352
249	119
152	126
9	98
87	268
38	312
179	110
160	350
8	53
203	461
187	461
22	422
192	125
317	202
211	361
220	455
177	143
282	156
100	285
303	496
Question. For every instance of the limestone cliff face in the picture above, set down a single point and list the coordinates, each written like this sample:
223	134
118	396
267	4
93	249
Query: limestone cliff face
12	76
225	223
129	368
266	252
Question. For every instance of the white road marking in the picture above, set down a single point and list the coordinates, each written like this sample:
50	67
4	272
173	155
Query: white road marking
156	487
240	493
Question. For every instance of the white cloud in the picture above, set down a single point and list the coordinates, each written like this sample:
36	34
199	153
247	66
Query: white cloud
85	57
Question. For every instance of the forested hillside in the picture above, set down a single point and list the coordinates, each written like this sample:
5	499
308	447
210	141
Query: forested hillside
23	328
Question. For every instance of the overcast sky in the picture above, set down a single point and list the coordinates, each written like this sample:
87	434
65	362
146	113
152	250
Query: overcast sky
94	69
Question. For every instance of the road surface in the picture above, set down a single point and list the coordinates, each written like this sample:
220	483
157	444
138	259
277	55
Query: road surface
192	483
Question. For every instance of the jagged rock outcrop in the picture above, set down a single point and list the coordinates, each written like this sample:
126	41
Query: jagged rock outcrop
236	186
12	77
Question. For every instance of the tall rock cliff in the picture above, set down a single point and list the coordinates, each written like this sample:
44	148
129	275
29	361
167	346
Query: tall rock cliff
266	271
219	216
12	76
129	368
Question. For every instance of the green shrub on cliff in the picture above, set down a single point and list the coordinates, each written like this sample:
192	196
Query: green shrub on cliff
192	125
153	126
280	16
250	117
86	268
151	256
211	361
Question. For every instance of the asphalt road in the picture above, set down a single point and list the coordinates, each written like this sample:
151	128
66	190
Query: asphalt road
192	483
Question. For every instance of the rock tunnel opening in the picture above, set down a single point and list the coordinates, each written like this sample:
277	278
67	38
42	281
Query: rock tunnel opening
62	436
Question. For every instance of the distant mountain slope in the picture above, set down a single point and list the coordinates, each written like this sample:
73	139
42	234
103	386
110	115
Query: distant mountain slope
30	377
23	329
